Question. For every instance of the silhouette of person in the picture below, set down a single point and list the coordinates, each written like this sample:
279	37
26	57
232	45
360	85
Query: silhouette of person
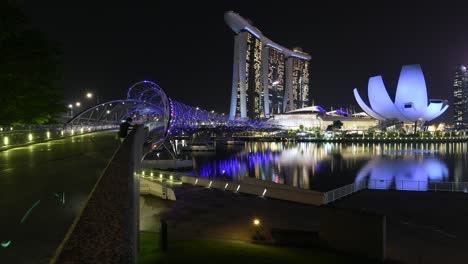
123	129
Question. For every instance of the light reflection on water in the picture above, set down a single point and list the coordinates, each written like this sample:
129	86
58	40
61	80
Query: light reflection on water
325	166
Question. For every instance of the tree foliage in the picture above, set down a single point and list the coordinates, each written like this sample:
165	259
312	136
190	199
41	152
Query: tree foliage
29	66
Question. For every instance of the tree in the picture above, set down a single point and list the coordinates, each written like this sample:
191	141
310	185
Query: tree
29	66
337	124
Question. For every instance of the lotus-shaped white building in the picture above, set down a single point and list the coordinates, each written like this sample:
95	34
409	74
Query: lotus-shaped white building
411	103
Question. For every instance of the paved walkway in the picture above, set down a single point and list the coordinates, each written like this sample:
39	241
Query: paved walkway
59	174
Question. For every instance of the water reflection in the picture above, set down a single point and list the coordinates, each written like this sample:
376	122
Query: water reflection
402	174
326	166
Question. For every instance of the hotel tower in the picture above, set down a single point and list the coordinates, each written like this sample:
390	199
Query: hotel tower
267	78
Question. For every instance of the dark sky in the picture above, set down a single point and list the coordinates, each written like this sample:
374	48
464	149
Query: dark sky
187	48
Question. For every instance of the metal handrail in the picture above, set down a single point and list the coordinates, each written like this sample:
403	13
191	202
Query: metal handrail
399	185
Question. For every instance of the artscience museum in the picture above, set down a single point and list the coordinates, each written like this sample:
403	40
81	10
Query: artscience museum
411	103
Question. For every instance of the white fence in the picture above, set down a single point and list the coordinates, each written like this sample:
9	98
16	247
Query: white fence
400	185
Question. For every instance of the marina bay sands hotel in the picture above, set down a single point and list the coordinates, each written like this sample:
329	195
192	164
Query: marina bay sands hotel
267	78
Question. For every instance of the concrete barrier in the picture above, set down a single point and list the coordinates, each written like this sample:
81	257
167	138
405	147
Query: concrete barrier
358	232
259	188
106	229
156	189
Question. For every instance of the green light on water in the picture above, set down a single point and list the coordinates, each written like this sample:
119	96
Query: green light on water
5	140
30	137
6	244
48	134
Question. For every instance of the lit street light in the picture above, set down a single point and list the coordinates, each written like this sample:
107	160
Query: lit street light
71	109
90	95
78	104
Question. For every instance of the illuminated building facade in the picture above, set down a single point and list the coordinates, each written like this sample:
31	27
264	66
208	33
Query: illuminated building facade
411	104
267	78
460	98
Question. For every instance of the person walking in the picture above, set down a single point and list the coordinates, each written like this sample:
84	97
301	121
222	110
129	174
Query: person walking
123	129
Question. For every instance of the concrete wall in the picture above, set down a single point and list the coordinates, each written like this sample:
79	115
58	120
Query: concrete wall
260	188
357	232
156	189
106	229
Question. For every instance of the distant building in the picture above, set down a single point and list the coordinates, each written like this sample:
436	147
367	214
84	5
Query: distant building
411	104
460	98
267	78
316	117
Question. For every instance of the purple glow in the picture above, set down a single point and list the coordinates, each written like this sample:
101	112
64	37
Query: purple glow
408	175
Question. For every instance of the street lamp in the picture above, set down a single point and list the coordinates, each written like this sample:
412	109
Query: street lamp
78	104
71	109
90	95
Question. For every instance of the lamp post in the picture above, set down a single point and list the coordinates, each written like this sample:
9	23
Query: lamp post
71	109
90	95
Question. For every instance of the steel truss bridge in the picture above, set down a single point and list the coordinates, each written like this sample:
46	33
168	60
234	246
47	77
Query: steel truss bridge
148	104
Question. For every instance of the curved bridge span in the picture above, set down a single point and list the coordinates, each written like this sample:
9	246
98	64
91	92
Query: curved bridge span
148	104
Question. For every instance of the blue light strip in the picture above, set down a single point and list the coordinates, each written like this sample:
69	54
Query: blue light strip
252	32
274	46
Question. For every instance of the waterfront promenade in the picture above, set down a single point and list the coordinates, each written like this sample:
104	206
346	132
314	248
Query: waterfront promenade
42	188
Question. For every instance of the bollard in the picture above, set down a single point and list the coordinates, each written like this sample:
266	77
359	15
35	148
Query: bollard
163	235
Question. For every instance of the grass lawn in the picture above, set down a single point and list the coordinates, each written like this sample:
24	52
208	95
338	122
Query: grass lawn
215	251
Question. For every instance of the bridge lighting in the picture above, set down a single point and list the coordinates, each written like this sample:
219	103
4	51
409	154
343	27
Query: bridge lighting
61	133
48	134
5	140
70	106
81	130
212	111
78	104
30	137
89	95
108	111
197	108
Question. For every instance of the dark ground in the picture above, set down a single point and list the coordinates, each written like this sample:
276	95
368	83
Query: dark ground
422	227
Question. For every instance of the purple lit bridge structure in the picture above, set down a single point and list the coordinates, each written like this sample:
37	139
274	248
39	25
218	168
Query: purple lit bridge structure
148	104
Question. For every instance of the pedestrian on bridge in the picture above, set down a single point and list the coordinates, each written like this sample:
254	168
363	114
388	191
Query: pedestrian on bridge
123	129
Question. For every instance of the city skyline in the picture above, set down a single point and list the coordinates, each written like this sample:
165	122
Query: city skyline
188	51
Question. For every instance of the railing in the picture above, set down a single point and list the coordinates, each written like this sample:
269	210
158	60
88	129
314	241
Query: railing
343	191
23	135
399	185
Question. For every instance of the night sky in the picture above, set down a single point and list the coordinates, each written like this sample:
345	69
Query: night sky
188	49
